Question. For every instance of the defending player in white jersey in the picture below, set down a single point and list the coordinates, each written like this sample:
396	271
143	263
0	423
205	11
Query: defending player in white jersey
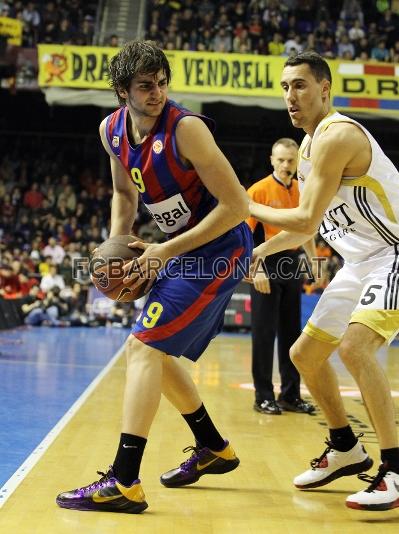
350	189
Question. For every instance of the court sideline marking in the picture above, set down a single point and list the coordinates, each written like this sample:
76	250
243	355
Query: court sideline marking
15	480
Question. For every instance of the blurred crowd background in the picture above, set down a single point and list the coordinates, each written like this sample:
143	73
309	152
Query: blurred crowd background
347	29
55	204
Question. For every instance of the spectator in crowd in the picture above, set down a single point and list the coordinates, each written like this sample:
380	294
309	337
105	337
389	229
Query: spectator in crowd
394	52
380	52
10	286
276	46
373	35
273	26
68	195
388	27
340	30
52	279
262	20
356	32
222	41
293	45
42	21
76	298
310	44
345	48
31	301
242	40
44	266
31	16
362	49
50	14
322	32
51	311
352	10
328	48
65	270
54	250
34	197
113	40
183	25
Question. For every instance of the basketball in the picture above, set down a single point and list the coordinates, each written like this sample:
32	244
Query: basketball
107	268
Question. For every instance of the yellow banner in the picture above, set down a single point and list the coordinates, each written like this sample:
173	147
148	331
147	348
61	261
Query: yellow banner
12	28
366	87
84	67
226	74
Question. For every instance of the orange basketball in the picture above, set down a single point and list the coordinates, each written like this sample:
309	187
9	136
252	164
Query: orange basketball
107	268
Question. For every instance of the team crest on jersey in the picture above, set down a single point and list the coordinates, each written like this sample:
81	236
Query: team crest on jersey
157	146
115	141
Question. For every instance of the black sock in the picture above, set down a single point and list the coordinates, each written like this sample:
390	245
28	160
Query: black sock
127	462
204	430
391	458
343	439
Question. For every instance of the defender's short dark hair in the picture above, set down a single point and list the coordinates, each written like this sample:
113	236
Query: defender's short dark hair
136	57
317	64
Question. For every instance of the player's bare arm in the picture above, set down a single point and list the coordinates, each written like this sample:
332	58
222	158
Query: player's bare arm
310	248
342	150
125	197
197	146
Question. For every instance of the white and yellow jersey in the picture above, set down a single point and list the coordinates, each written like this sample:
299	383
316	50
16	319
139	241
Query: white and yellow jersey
362	218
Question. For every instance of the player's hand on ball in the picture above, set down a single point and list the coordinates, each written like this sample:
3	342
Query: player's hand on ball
145	268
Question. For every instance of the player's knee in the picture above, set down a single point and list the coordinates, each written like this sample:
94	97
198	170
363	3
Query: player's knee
302	358
352	355
298	357
136	351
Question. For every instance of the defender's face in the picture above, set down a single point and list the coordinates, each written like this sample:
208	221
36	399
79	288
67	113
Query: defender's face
304	96
147	94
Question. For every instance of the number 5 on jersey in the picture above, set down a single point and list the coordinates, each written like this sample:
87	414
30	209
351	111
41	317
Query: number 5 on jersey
370	294
153	314
137	178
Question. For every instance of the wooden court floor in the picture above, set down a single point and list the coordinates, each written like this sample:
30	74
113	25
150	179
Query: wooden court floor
256	498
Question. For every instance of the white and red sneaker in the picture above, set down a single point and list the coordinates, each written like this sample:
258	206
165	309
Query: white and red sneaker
382	494
333	464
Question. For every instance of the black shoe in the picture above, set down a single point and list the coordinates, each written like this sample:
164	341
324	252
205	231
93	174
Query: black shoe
298	406
202	461
106	495
267	406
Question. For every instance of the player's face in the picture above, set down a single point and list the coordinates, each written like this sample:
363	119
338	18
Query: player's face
284	161
306	98
147	94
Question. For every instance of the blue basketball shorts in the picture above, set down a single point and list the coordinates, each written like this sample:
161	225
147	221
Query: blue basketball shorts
186	305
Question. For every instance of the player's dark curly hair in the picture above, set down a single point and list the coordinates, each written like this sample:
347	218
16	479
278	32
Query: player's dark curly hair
317	64
136	57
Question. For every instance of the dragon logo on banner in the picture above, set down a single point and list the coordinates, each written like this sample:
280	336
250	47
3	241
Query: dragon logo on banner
55	66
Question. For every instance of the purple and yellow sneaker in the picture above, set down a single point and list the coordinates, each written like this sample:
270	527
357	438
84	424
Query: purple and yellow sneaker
106	495
202	461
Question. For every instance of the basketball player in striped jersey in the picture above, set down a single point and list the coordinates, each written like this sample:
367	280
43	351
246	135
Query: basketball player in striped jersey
167	156
350	191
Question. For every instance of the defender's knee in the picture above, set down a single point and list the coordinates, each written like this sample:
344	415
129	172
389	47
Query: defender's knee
306	360
299	359
352	355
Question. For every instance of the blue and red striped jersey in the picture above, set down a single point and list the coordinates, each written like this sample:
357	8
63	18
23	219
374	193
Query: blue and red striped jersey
172	192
